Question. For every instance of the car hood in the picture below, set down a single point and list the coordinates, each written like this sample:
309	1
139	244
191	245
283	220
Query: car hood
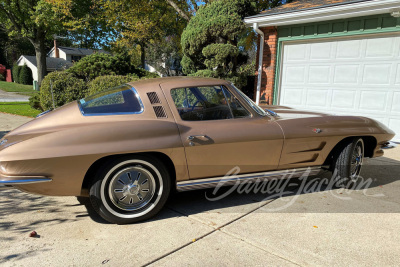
290	113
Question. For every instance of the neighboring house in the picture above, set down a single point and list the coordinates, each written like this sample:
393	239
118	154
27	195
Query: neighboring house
335	56
53	64
58	58
72	54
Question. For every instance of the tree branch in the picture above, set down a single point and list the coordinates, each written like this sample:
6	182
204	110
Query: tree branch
180	11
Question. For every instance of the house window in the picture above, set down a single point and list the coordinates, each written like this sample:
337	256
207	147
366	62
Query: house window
76	58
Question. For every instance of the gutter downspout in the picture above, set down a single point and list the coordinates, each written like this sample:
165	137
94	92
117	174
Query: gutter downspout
260	61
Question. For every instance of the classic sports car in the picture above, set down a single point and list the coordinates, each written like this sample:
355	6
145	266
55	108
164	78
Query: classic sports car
128	147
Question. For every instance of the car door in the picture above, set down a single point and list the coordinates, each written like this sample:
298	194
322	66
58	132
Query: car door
220	132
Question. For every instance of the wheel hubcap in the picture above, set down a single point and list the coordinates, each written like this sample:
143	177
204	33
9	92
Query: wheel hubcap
356	161
132	188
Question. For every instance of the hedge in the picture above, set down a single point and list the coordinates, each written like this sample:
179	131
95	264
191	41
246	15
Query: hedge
25	75
66	88
108	81
15	72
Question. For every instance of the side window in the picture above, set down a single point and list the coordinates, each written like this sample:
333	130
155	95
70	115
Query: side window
237	109
201	103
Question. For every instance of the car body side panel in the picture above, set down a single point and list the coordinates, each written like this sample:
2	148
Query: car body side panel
310	139
63	144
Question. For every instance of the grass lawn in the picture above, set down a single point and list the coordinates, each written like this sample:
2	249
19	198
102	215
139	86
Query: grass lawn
18	108
16	87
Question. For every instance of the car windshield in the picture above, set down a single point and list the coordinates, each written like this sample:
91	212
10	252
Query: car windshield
250	102
122	99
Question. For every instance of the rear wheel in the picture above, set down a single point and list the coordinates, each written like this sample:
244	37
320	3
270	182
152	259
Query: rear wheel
348	162
129	190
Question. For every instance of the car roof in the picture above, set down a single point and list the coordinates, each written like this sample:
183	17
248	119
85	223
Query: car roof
175	82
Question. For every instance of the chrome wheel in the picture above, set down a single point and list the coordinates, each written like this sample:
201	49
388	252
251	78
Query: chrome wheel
132	188
356	160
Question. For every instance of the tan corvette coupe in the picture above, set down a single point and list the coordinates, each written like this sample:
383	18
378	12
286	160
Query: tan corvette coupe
128	147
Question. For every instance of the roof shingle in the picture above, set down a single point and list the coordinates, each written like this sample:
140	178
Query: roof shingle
51	62
306	4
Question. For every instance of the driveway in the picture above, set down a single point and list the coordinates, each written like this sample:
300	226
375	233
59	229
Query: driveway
323	227
12	97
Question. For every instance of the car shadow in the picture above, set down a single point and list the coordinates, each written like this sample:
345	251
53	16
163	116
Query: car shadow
379	172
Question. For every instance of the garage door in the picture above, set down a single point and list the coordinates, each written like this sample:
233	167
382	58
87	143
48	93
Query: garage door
353	76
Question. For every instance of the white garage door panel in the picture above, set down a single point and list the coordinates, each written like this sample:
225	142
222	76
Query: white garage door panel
352	76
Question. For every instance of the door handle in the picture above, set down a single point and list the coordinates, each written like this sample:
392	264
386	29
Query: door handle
191	137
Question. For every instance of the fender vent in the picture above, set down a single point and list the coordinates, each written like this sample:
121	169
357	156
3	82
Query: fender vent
153	98
160	112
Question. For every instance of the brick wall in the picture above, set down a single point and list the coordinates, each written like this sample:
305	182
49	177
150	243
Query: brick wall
269	63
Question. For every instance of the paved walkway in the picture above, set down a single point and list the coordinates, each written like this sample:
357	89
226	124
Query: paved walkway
327	227
12	97
9	122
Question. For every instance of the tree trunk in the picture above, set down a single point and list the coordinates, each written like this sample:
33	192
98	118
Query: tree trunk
142	55
41	65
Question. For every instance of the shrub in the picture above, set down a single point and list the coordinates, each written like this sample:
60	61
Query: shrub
100	64
108	81
142	73
15	72
25	75
2	78
66	88
34	102
95	65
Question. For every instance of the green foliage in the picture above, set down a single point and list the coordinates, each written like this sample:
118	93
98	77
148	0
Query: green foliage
34	102
25	75
100	64
142	73
66	88
2	78
95	65
165	56
18	108
220	55
15	72
210	40
109	81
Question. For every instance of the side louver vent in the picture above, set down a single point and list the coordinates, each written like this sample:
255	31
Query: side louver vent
153	98
160	112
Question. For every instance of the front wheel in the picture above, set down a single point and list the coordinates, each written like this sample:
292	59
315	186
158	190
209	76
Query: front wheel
129	190
348	162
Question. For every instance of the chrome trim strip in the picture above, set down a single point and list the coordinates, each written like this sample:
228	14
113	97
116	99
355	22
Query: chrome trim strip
252	177
116	113
16	180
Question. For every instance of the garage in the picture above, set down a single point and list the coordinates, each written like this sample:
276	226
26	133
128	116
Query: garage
355	76
331	56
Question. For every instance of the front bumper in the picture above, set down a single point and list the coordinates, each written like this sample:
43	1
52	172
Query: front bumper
18	180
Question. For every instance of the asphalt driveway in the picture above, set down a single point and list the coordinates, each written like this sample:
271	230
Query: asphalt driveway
327	226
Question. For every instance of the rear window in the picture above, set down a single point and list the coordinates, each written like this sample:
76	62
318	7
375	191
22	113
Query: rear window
118	100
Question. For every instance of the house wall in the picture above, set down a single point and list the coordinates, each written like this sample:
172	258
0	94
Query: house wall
33	68
269	65
64	55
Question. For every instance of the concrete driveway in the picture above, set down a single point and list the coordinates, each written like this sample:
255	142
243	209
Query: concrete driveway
326	227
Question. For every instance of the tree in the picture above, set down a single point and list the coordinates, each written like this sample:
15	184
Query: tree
140	22
34	20
25	75
84	22
165	56
210	40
